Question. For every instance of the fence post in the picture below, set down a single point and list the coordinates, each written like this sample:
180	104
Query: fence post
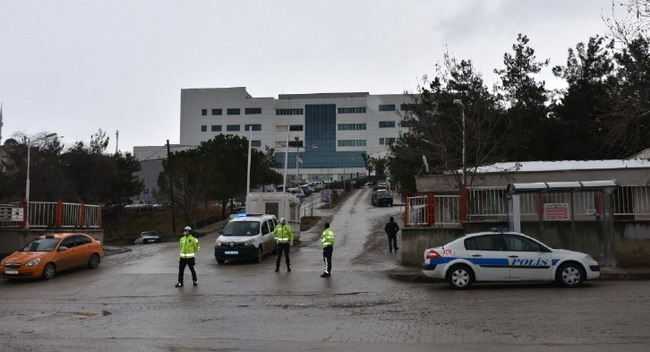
407	203
23	224
58	221
431	209
99	215
82	214
464	201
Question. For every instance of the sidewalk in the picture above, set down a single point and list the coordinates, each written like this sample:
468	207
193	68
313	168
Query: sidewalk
414	274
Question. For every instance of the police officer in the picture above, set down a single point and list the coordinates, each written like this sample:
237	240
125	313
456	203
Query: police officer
391	229
284	239
327	239
189	247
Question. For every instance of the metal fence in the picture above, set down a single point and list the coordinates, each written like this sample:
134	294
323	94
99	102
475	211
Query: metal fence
56	215
491	204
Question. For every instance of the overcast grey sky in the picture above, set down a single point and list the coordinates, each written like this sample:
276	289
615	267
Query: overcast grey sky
74	66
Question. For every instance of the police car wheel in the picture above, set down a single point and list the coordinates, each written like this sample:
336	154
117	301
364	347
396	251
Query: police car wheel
460	277
570	275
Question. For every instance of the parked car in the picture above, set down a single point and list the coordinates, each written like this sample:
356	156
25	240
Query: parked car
246	237
148	237
139	205
306	190
382	198
52	253
506	256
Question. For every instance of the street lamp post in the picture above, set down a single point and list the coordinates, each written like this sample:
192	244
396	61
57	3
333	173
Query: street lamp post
462	113
27	182
297	139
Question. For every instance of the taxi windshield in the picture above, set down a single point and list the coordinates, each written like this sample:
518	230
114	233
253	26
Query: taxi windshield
242	228
41	245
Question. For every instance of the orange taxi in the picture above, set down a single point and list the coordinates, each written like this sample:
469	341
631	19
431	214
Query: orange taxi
52	253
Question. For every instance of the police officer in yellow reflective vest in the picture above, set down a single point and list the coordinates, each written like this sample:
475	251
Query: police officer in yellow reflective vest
327	239
284	239
189	247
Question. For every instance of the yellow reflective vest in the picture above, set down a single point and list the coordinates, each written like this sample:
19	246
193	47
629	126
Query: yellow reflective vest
189	246
328	238
283	234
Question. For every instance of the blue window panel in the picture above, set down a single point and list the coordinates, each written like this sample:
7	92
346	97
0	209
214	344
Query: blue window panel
256	143
233	111
215	128
204	112
233	128
253	111
216	112
351	142
387	107
352	110
386	124
204	128
255	127
351	126
282	112
386	141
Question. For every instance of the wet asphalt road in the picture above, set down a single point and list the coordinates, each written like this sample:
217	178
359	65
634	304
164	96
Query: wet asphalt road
130	304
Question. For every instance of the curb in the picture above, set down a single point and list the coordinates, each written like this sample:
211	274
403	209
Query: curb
414	275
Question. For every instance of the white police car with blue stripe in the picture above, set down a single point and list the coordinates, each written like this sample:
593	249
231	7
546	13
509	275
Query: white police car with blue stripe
506	256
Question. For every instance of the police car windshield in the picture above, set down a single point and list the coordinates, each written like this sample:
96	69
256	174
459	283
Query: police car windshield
241	228
41	245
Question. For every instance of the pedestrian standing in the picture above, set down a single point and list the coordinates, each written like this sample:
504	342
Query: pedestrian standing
391	229
189	247
327	239
284	240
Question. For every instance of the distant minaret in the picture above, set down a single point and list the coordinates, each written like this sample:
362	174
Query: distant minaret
117	139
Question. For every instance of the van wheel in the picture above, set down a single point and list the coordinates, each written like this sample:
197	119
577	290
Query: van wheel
260	253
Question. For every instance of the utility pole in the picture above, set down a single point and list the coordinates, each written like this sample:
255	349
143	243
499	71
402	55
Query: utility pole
171	188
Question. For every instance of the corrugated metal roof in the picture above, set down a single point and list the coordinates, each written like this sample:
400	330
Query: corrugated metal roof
537	166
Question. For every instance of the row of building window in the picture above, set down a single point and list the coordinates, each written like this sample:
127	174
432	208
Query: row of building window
362	126
232	111
298	111
356	110
231	128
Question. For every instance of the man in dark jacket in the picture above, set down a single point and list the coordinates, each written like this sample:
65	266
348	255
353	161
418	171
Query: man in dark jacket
391	230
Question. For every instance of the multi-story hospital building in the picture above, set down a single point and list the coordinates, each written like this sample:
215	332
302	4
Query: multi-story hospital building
331	130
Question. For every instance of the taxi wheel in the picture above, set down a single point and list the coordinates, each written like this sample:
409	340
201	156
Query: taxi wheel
570	275
460	277
49	271
260	254
93	262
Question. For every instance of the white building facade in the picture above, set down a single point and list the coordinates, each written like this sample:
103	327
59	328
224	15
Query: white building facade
329	132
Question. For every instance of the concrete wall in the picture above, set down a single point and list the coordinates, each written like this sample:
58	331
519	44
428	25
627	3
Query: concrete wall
14	239
631	239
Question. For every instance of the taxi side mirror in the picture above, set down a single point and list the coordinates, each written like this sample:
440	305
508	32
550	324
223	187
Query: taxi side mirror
63	249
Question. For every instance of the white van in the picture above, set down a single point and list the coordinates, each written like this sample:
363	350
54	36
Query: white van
248	236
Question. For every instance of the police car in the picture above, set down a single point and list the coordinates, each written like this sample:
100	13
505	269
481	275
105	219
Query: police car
506	256
247	236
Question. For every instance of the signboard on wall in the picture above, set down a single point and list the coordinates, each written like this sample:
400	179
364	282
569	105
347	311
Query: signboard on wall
11	214
556	212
